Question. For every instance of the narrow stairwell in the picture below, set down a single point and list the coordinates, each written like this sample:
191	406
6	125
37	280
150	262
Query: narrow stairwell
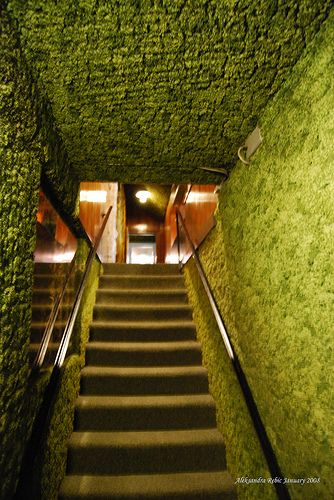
144	421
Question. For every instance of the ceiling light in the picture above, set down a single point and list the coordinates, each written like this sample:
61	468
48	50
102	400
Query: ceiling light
141	228
143	196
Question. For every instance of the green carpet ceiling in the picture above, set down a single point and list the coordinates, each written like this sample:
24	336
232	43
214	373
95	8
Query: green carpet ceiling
154	90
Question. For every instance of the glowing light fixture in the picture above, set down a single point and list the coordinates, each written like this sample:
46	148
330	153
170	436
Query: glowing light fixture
141	228
93	196
143	196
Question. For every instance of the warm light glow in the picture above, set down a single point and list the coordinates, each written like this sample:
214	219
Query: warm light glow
172	259
196	197
142	258
141	228
93	196
63	257
143	196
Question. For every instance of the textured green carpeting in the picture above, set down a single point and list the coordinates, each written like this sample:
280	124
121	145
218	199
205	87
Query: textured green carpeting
145	422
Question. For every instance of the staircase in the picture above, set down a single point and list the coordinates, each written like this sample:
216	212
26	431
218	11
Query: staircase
144	421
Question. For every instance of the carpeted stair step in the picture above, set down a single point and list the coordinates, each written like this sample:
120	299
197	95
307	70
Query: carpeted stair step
140	296
102	380
43	296
149	331
37	330
152	312
111	413
143	353
45	280
144	425
51	352
180	486
134	281
140	269
41	312
151	452
47	267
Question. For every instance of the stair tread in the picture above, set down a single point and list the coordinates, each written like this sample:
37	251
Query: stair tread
140	269
146	486
145	346
141	276
153	323
51	345
87	401
134	439
142	291
147	371
49	274
143	353
42	324
142	307
144	421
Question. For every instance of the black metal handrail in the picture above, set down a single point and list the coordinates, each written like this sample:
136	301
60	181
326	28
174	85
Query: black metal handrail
64	343
274	468
43	347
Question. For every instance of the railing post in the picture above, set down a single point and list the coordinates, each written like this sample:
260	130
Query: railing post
178	239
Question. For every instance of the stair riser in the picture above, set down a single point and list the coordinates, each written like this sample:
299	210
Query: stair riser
144	418
44	268
141	314
130	298
138	495
133	282
157	334
48	281
140	269
51	351
128	385
134	358
36	333
148	460
49	357
42	297
51	268
42	313
179	486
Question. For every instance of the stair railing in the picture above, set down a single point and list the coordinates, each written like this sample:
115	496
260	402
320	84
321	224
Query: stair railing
47	335
274	468
64	343
27	468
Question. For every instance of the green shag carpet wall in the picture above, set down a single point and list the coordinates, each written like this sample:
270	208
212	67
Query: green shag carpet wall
19	181
270	262
28	144
151	91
